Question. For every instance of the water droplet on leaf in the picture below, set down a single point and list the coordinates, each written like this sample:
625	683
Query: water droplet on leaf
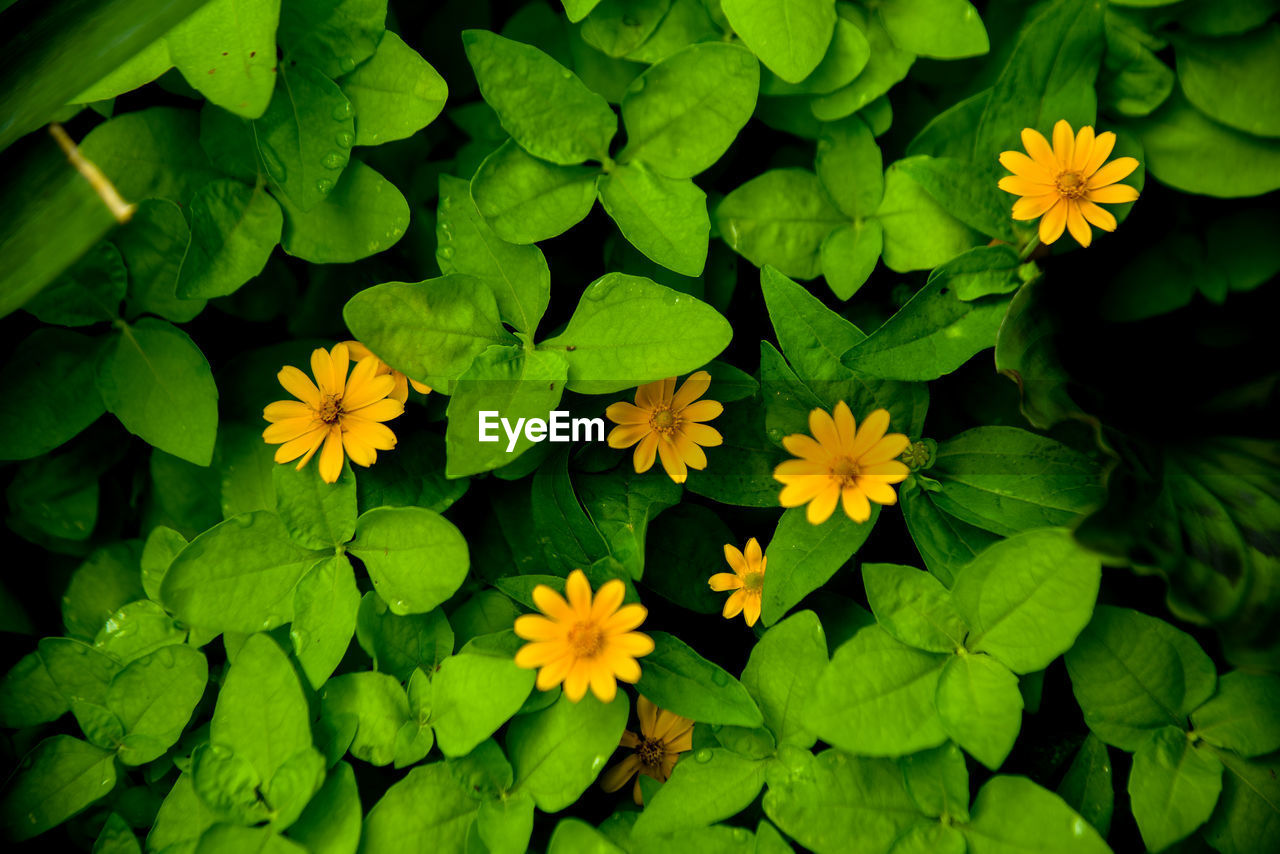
703	755
334	160
345	139
324	185
342	111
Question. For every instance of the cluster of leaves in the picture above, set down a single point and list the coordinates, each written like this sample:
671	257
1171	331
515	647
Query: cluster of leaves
253	659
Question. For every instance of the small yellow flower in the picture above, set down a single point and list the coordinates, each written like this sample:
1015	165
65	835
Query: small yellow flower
1065	183
842	463
583	641
401	390
662	738
746	580
667	423
343	413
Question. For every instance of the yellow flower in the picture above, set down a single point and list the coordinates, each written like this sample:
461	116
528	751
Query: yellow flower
401	390
667	423
840	462
663	737
342	413
583	642
746	580
1065	183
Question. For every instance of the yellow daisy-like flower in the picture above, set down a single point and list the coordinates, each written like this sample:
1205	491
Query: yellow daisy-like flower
841	462
669	424
662	738
340	412
583	641
400	391
746	580
1064	184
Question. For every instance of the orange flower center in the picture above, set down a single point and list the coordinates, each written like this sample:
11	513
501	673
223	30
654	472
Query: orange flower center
1071	185
664	421
330	409
585	639
845	469
651	752
753	582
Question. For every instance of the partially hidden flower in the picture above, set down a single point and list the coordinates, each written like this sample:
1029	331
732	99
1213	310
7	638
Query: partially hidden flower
746	581
842	462
340	412
585	641
1065	183
662	738
400	391
669	424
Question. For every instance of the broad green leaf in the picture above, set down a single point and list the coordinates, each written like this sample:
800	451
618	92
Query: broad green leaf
43	684
183	817
548	111
52	371
395	93
89	292
887	65
398	644
849	256
140	69
740	471
64	775
1013	814
100	586
1027	598
316	514
1087	787
621	505
980	707
226	51
230	839
1134	81
428	810
789	36
779	218
846	57
780	674
233	230
812	336
526	200
913	607
685	537
576	10
154	698
918	233
151	153
116	837
331	822
504	382
575	836
876	697
1247	818
418	477
942	29
238	576
297	137
557	752
1225	78
708	786
945	543
157	382
938	781
153	245
247	467
930	839
628	330
1007	480
472	694
674	677
684	112
1243	715
429	329
379	706
416	558
1206	18
850	167
505	824
517	275
804	556
665	218
1173	787
967	191
100	725
617	27
325	604
137	629
333	35
1132	673
363	215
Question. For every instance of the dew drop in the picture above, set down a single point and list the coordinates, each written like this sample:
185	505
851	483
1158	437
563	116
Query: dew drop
334	160
740	834
446	252
373	247
165	657
446	231
637	84
347	64
703	755
720	677
399	604
299	638
126	629
345	139
275	166
324	185
244	520
446	202
342	111
220	751
31	817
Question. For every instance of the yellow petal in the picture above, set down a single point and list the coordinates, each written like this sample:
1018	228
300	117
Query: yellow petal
689	451
383	409
534	655
625	619
616	777
708	437
575	683
299	385
873	430
672	461
1024	167
578	591
331	456
694	387
399	391
1030	207
372	433
647	711
888	448
846	428
801	467
365	387
645	453
803	491
1102	147
1113	194
734	604
603	685
1083	149
283	410
1053	223
1038	147
1096	215
649	395
751	609
878	490
856	506
1064	143
1079	229
626	435
536	627
358	451
288	430
736	559
622	412
1024	187
823	428
608	599
1116	170
303	444
634	644
356	350
554	673
702	410
893	471
723	582
823	505
753	553
552	604
805	447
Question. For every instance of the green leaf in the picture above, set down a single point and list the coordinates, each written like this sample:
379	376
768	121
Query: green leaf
557	752
621	505
1087	787
677	679
805	556
363	215
945	543
63	777
1247	819
297	137
918	232
1173	787
316	514
395	93
846	57
629	330
684	537
153	244
849	256
740	471
876	697
325	604
472	694
238	576
1134	81
379	705
789	36
684	112
417	478
333	35
980	707
137	629
331	822
914	607
183	817
1243	715
526	200
941	29
548	111
151	153
1132	673
226	51
665	218
938	781
811	335
99	725
887	65
1013	814
229	839
429	329
426	811
575	836
712	785
517	275
505	825
88	292
850	167
233	230
52	371
1225	78
969	192
416	558
398	644
779	218
780	674
42	685
157	382
616	27
930	839
100	586
154	698
116	837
